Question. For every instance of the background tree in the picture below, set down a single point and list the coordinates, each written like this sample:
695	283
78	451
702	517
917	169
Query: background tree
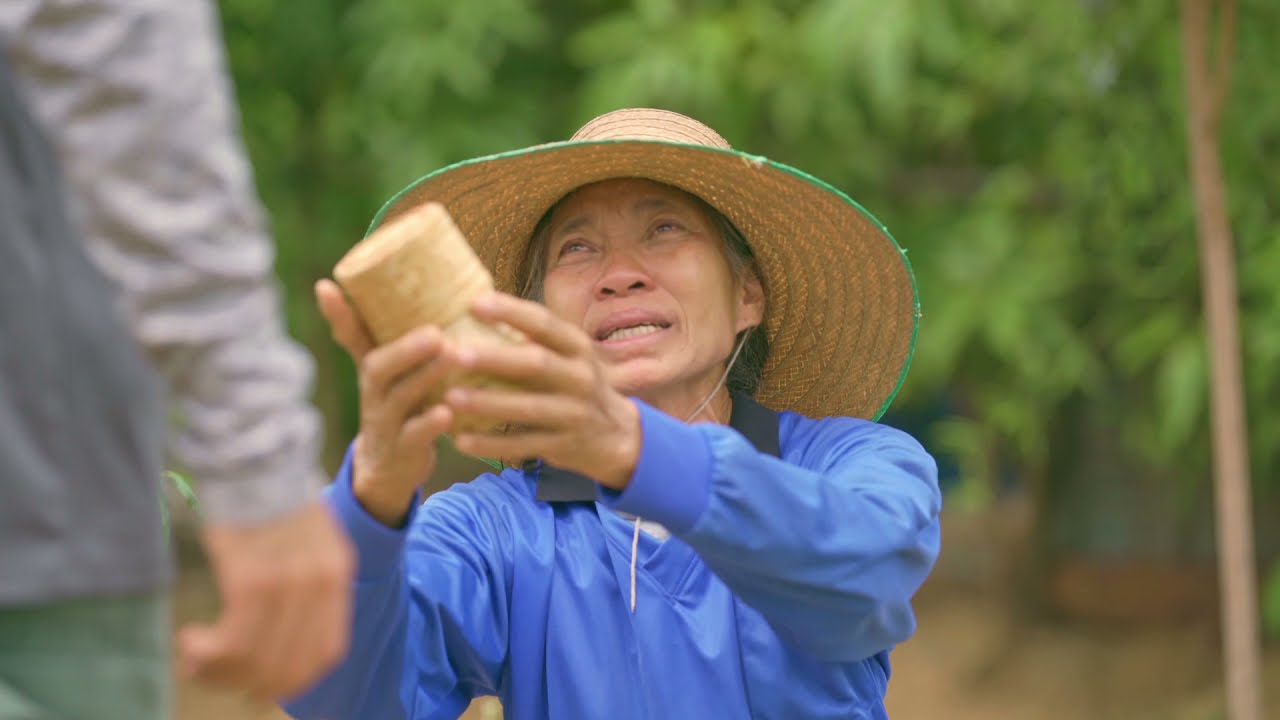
1029	156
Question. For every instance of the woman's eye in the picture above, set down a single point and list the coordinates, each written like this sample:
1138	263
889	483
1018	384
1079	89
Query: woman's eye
666	226
572	246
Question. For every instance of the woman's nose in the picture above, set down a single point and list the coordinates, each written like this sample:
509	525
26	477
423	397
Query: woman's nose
622	275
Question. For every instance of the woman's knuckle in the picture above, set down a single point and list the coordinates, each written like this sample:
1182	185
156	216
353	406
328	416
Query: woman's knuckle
369	378
528	360
582	375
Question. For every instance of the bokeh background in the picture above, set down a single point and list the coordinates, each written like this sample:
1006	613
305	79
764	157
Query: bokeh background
1030	156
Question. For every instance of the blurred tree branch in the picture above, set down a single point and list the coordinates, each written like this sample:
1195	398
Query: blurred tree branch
1207	90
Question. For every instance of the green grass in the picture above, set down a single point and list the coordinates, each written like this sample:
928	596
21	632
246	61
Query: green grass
188	494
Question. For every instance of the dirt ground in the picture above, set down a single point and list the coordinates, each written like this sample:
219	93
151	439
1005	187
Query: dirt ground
970	660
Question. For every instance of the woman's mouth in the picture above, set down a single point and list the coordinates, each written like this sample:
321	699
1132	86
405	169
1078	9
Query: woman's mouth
632	331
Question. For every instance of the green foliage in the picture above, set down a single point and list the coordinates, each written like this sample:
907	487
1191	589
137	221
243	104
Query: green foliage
1031	156
1271	602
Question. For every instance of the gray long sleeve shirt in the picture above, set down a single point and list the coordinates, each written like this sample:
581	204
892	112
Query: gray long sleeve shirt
133	96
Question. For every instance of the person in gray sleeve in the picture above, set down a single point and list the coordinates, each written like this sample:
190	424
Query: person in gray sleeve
137	301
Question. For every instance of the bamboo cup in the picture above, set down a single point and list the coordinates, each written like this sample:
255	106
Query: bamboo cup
419	270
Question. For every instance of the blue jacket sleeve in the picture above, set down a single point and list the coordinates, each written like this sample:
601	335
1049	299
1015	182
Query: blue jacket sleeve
829	544
429	629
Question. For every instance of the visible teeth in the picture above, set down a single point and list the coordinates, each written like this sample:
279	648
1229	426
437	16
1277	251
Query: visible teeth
633	331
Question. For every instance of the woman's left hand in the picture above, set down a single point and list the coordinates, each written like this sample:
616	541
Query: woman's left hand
565	413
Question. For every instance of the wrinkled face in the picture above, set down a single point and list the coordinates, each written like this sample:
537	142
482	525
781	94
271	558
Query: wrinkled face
642	269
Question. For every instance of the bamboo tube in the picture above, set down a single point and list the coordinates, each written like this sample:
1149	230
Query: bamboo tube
420	270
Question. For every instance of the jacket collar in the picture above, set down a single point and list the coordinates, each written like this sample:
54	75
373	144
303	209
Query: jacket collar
757	424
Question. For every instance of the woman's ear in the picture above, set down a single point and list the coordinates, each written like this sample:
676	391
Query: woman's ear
750	302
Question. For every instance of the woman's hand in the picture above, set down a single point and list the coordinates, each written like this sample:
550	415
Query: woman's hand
566	414
395	449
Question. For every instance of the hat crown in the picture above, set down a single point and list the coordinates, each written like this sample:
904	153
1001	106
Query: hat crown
650	124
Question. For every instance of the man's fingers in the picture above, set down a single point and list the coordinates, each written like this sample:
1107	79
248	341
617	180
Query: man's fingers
206	655
285	587
313	624
346	326
270	664
227	653
283	650
194	647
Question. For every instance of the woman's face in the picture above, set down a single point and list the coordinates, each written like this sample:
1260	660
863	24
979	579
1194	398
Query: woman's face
641	268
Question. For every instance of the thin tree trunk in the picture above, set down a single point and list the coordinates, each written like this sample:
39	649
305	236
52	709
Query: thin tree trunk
1206	95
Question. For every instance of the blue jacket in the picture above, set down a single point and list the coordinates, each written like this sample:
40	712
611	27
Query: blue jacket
782	589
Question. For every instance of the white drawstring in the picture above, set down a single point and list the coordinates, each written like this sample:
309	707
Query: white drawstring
635	535
635	543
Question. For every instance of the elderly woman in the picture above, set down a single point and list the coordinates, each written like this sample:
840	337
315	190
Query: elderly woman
712	525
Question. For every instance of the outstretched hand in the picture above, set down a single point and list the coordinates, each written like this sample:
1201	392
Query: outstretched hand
395	449
285	586
565	411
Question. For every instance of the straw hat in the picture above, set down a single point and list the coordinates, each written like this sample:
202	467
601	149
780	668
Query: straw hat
841	303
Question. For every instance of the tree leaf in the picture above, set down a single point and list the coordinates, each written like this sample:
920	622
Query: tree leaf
1181	386
183	485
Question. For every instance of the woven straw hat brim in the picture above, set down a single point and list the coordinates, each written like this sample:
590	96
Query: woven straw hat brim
842	307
